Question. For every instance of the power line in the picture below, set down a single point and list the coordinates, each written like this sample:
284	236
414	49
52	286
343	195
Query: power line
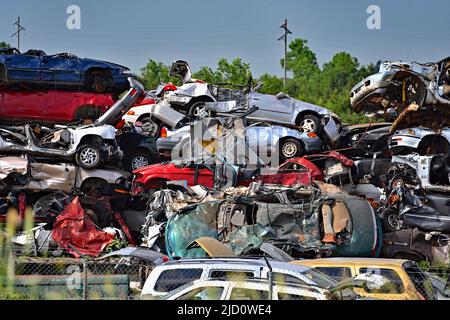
20	28
284	37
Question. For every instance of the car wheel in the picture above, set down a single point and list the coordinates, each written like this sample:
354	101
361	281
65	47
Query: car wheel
309	123
290	148
390	220
149	126
138	160
198	109
88	156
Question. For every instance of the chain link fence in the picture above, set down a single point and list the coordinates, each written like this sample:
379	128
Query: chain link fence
123	278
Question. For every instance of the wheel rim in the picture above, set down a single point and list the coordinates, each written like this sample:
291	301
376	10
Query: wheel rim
289	150
88	156
308	125
200	111
393	222
139	162
149	127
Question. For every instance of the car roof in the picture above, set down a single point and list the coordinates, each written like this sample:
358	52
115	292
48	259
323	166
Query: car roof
351	261
252	282
251	262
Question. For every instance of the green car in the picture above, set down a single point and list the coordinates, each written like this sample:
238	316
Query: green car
304	222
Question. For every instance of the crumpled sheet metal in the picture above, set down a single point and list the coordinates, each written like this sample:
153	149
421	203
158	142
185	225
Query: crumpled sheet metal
182	229
73	228
247	237
13	164
54	177
292	223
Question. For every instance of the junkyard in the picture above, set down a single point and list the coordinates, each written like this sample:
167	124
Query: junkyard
189	186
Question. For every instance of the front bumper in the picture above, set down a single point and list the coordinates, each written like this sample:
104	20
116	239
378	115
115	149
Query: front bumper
313	145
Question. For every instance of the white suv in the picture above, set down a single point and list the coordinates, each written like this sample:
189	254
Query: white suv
174	274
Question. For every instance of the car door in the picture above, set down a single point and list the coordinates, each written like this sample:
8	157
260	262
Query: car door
24	105
23	67
270	108
61	68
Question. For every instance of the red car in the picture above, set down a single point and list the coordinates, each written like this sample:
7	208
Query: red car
54	106
293	171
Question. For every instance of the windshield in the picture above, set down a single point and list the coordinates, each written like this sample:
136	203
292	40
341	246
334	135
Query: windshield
326	282
421	281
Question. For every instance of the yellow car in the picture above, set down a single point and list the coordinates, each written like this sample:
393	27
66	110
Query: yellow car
406	280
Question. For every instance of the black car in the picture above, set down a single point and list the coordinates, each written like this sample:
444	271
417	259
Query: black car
363	140
139	150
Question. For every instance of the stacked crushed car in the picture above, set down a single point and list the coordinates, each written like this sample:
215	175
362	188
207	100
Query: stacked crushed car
219	171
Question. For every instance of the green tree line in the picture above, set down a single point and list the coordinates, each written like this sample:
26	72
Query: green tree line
327	86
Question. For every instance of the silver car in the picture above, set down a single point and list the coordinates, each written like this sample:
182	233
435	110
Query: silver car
420	139
399	85
193	95
262	139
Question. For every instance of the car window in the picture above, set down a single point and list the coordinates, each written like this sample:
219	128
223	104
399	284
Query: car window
174	278
321	279
248	294
291	296
204	293
230	274
286	278
337	273
421	282
394	286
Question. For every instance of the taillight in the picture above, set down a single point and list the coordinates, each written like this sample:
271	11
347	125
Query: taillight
131	113
311	135
163	132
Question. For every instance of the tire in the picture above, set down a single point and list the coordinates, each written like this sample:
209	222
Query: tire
290	148
89	156
198	109
138	160
309	123
390	221
150	127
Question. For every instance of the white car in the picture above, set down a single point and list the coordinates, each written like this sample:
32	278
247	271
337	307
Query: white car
420	139
174	274
251	290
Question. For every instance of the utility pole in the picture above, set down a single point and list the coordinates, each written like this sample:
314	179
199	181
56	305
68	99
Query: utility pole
284	37
19	30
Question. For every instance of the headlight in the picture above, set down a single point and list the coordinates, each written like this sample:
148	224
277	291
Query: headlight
411	132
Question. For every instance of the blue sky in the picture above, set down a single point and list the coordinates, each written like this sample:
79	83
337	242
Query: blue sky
202	31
